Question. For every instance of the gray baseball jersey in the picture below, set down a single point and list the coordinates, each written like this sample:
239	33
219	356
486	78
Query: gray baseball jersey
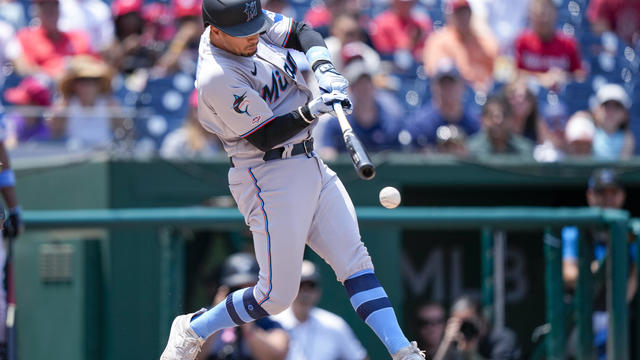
237	95
287	203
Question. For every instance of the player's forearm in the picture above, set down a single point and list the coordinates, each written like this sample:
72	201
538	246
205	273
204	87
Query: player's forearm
9	196
7	180
304	38
280	129
267	345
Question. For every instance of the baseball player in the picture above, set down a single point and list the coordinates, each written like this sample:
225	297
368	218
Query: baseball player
252	95
11	228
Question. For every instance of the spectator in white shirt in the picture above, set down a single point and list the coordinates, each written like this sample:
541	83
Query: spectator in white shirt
91	16
317	334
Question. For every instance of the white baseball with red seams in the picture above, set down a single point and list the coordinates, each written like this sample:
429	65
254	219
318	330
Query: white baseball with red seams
389	197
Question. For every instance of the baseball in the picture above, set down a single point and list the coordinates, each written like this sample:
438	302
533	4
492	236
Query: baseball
389	197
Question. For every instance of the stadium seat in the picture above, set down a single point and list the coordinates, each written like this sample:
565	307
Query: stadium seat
163	106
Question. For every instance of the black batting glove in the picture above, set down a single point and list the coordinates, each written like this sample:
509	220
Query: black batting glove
13	226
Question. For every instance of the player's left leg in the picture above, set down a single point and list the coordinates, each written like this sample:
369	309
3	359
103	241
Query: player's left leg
277	200
336	238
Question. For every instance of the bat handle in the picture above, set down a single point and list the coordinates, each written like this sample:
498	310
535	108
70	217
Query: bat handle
342	118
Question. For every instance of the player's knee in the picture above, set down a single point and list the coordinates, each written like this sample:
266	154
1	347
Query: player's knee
363	264
278	302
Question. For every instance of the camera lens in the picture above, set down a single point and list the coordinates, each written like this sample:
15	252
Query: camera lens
469	330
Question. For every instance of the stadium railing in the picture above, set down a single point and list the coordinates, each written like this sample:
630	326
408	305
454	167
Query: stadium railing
486	219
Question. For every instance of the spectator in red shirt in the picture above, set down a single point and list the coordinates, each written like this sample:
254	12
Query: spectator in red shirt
400	32
544	52
620	16
45	48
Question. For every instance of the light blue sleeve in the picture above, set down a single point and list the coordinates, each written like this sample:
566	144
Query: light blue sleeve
569	243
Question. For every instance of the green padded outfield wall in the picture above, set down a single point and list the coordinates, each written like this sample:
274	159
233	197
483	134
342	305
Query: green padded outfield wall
132	281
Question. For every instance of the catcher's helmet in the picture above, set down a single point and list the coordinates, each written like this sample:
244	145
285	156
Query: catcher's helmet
238	18
239	269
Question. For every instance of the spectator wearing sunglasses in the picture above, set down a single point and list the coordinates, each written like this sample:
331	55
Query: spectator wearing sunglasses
317	334
430	320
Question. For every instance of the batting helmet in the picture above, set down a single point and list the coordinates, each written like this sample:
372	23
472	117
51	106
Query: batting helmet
238	18
239	269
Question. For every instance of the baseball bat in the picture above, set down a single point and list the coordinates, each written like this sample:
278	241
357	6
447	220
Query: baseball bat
361	161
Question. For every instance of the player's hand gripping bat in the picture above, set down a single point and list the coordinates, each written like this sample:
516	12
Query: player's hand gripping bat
364	167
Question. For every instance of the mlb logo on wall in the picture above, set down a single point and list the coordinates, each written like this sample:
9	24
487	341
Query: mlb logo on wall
251	9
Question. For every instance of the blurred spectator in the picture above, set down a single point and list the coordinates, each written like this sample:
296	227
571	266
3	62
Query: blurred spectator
400	32
506	19
473	52
613	140
430	320
26	123
579	134
264	339
497	136
317	334
554	120
182	51
90	16
446	108
45	48
526	120
280	7
85	116
158	25
605	190
468	335
320	15
347	43
12	12
544	53
191	140
451	139
128	53
376	117
619	16
9	48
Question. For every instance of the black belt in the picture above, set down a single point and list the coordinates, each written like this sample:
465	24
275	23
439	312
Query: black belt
305	147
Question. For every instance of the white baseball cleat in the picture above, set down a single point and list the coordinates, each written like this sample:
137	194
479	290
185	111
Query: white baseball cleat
410	352
183	343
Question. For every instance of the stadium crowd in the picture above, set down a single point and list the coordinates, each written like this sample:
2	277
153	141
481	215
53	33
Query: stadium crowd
539	79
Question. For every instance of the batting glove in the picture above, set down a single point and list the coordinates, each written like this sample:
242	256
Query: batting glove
13	226
329	80
324	104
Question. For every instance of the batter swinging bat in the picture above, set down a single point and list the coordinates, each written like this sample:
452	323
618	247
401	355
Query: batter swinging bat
362	163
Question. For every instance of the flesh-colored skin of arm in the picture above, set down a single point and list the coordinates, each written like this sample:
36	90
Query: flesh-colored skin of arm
266	345
8	192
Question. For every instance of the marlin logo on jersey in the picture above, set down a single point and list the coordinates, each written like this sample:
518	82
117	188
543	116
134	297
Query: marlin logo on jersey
239	102
251	9
279	82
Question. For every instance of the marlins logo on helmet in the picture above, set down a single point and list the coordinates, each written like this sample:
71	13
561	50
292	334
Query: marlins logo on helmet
251	10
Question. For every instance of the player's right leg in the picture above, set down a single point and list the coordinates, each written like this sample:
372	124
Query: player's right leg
336	238
277	202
